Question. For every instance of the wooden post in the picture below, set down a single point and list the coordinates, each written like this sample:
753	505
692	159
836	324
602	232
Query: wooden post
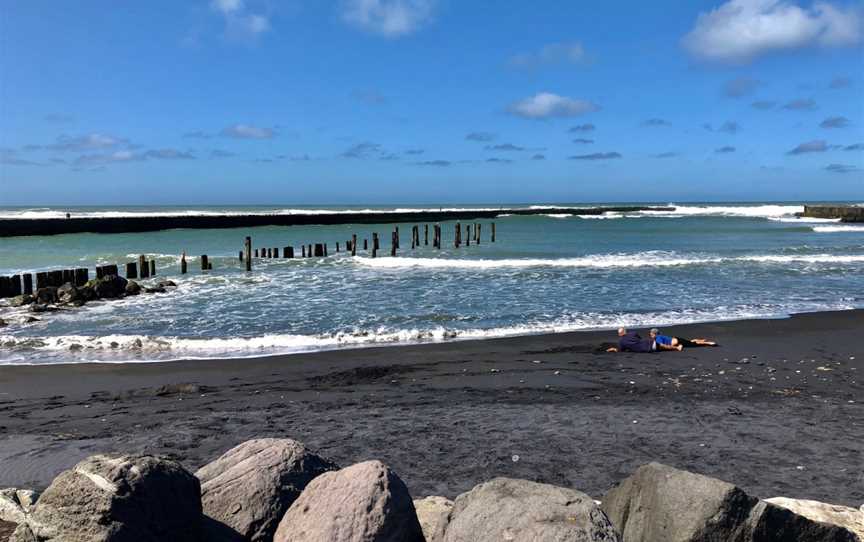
256	252
394	239
458	232
143	268
337	247
288	252
5	287
493	232
304	250
28	284
247	252
69	276
354	244
397	236
183	263
41	280
153	268
205	264
309	250
425	234
16	285
365	244
325	249
131	270
477	232
100	272
467	235
374	245
319	250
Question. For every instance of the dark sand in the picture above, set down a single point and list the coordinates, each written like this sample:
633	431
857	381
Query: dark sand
778	409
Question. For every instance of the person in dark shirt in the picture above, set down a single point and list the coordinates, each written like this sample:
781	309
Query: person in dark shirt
630	341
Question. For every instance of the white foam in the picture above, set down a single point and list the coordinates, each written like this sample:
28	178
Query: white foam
803	220
607	261
839	229
754	211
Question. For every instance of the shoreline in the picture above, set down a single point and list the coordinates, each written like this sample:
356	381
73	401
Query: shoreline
778	407
347	348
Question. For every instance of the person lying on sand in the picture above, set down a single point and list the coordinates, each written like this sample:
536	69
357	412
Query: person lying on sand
630	341
666	342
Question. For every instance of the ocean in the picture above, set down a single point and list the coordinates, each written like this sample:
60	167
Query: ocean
545	273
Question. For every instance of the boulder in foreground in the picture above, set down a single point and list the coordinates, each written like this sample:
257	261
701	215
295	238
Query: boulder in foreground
434	515
658	503
117	499
508	509
366	502
832	514
801	521
251	486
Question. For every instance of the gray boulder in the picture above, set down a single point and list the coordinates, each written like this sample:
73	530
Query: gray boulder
133	288
366	502
659	503
508	509
434	515
770	522
68	294
251	486
15	504
117	499
45	295
107	287
167	284
833	514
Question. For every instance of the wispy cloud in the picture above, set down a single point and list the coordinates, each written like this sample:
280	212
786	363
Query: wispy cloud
841	81
834	122
728	127
801	104
654	123
547	105
538	156
59	118
88	142
169	154
555	53
362	150
725	150
10	157
369	97
763	104
197	134
740	87
499	160
597	156
669	154
240	23
122	156
842	168
509	147
434	163
817	145
483	137
248	131
415	151
582	128
854	147
221	153
388	18
583	141
741	30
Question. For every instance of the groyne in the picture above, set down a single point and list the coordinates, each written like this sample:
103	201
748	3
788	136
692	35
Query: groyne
13	227
846	213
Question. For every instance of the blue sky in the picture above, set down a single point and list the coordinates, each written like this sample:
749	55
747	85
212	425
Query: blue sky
411	101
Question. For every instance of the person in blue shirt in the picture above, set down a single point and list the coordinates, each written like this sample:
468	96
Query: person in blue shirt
666	342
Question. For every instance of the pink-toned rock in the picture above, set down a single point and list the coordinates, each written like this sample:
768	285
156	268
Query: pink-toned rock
366	502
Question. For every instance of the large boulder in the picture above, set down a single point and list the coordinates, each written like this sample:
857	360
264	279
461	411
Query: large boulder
659	503
434	515
132	288
251	486
47	294
68	293
109	287
508	509
15	504
802	521
117	499
366	502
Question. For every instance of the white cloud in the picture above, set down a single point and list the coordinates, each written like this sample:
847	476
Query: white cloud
741	30
227	6
239	23
547	105
247	131
86	142
555	53
390	18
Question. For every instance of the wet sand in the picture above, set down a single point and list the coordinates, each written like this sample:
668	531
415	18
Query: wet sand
777	409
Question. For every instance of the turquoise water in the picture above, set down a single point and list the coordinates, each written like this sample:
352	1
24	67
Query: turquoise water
544	274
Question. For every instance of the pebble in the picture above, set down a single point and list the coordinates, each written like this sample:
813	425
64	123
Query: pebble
515	458
557	372
536	361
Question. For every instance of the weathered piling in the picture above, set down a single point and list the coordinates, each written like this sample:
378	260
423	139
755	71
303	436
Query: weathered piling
16	285
457	240
353	244
467	235
56	278
477	233
69	275
205	263
183	263
493	232
319	250
5	287
394	241
240	255
82	275
337	247
41	280
374	245
256	252
28	284
247	252
143	268
153	267
365	244
425	234
288	252
396	236
309	250
131	270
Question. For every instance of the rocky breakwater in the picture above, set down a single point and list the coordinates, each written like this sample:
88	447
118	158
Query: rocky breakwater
278	490
50	299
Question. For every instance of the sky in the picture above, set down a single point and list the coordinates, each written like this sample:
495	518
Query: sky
429	101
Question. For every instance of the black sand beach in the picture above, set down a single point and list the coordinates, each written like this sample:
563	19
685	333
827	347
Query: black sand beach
777	409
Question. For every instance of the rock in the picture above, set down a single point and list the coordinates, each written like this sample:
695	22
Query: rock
805	521
117	499
31	319
20	300
658	503
3	323
133	288
166	284
108	287
508	509
251	486
6	529
46	295
156	290
366	502
434	515
41	307
15	504
68	294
